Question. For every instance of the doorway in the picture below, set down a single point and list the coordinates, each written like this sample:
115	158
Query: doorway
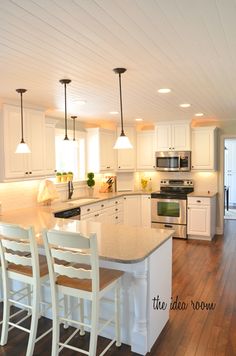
230	178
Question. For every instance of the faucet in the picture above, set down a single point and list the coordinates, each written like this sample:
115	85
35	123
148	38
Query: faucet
70	189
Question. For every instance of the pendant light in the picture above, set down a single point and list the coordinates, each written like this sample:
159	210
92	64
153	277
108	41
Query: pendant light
73	118
22	147
65	82
122	141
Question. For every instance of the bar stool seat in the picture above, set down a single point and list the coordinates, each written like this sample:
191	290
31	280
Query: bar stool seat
27	270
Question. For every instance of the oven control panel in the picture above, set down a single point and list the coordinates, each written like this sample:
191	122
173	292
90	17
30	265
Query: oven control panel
176	183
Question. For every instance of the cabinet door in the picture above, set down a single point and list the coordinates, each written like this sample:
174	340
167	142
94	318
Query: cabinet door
132	213
180	137
163	137
15	164
146	150
203	149
199	220
36	136
126	157
146	211
107	152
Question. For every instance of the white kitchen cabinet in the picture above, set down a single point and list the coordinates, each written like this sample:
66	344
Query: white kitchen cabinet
201	223
145	150
108	211
204	148
172	136
100	153
49	153
126	158
146	210
18	166
132	210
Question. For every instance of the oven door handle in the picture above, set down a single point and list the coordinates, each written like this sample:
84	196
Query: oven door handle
167	225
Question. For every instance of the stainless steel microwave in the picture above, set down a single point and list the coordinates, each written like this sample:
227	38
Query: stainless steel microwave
173	161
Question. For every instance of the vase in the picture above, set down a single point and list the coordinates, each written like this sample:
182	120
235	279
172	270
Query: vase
90	191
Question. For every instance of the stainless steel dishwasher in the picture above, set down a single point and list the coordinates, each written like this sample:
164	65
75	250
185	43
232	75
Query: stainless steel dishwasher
73	213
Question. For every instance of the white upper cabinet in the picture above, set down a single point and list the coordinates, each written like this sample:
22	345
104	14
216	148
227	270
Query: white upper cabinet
17	166
126	158
204	148
173	136
100	151
49	149
145	150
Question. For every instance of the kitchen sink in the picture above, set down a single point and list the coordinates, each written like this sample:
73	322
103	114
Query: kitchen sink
83	200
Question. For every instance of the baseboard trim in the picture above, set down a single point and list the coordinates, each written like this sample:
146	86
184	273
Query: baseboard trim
219	231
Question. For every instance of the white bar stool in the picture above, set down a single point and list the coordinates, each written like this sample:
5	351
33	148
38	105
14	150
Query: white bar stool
21	262
80	278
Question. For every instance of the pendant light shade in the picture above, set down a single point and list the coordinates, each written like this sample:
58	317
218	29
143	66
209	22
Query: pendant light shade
122	141
22	147
65	82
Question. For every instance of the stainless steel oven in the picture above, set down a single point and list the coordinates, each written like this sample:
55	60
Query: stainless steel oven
169	206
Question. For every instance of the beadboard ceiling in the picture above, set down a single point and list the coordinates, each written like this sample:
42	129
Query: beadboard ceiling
186	45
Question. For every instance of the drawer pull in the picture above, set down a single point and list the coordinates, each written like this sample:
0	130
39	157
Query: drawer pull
167	225
96	215
198	201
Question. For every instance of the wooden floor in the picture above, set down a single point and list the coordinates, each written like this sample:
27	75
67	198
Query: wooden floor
202	271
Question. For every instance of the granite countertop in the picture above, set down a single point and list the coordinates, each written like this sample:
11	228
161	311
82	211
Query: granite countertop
120	243
207	194
72	203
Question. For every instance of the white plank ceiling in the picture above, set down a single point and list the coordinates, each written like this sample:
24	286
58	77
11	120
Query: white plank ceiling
186	45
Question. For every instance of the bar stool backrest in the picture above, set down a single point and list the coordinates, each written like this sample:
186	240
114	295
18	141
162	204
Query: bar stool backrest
78	254
19	246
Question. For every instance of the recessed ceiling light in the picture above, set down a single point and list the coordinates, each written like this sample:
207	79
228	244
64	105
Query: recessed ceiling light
186	105
164	90
113	112
80	102
138	119
199	114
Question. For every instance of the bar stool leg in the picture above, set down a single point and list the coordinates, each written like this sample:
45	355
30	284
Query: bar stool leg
34	322
66	310
117	314
55	324
81	306
6	311
94	329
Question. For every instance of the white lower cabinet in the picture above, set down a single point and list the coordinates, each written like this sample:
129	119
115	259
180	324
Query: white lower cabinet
132	210
146	210
201	217
108	211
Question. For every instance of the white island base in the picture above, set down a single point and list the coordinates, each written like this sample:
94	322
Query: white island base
140	323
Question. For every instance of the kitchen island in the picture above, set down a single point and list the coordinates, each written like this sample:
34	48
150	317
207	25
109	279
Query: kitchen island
145	255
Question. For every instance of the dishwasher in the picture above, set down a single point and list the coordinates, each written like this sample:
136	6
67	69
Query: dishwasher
73	213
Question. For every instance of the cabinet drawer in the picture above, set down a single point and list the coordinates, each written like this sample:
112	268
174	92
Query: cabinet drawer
199	201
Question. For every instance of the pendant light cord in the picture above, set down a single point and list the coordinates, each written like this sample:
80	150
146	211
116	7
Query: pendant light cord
21	113
66	137
121	108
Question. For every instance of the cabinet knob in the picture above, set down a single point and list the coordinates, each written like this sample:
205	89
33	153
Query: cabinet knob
198	201
26	172
55	170
30	172
169	148
116	217
96	215
149	197
119	167
108	167
116	209
102	205
116	202
88	209
124	198
192	166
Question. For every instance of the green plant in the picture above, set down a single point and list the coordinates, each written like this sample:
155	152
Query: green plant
58	174
64	173
90	180
70	173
